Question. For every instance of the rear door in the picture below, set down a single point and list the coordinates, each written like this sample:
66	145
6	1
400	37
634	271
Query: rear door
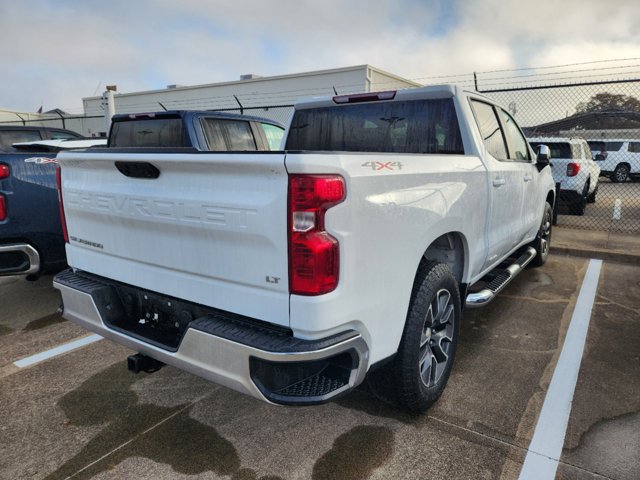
504	222
520	156
210	228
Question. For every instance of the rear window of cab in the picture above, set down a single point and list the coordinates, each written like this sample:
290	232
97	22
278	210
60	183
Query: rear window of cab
416	126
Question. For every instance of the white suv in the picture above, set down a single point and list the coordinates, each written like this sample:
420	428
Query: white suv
618	159
574	169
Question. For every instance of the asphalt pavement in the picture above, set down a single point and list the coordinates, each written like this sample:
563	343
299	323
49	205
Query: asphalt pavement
82	415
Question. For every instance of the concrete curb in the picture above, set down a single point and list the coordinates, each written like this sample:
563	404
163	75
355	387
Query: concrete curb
597	253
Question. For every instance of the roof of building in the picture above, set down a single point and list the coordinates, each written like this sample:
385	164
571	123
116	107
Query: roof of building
611	119
257	79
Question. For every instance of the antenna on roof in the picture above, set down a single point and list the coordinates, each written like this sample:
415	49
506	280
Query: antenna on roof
163	107
334	90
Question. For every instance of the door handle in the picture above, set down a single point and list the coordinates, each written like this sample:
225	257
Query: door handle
528	177
498	182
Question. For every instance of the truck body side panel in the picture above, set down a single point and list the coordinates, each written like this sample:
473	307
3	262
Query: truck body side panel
396	206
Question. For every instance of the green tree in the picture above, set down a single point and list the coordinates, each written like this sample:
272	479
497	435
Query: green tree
609	101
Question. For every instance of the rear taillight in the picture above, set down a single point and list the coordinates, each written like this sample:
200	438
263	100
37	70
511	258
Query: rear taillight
63	220
3	208
314	257
4	171
573	169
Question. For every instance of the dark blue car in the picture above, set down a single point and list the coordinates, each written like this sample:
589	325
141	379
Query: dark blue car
31	239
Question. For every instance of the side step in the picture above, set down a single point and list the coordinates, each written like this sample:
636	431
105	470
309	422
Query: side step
499	279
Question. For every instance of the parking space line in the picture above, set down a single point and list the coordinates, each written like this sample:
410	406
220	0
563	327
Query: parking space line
54	352
546	445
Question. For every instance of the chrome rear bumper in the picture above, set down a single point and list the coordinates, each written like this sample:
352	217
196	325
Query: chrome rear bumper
26	263
232	363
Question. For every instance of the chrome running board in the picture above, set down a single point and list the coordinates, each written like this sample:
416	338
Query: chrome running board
500	278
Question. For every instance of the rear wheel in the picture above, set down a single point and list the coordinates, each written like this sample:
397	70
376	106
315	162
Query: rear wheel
579	206
543	239
417	375
620	174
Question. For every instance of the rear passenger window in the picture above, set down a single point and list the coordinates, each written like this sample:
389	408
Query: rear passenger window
154	132
228	135
274	135
490	129
9	137
55	135
519	149
634	147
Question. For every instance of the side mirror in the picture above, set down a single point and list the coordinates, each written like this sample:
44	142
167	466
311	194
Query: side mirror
543	155
599	157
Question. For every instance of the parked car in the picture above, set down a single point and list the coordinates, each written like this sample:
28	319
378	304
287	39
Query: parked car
31	240
10	134
574	169
618	159
290	275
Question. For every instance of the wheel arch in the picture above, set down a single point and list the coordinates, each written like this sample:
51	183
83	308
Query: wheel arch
450	248
551	198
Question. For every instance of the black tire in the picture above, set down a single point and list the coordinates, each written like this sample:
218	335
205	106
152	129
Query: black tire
543	239
592	197
579	206
620	174
427	337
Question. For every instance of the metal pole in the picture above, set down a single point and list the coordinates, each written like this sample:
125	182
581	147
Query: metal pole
241	107
110	106
64	125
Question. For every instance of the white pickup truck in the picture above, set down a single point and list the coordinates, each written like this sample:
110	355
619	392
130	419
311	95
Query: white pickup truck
290	275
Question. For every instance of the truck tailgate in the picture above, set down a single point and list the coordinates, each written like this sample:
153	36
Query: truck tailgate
211	228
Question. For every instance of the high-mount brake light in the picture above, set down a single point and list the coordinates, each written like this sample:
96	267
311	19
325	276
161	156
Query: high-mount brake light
314	255
141	115
572	169
63	219
4	171
365	97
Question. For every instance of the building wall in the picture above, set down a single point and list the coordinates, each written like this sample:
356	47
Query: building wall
280	90
267	93
259	92
15	118
380	81
83	125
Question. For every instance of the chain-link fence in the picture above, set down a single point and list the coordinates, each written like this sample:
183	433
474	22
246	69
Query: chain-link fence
593	130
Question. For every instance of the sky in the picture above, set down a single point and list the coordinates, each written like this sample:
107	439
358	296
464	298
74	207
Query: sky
55	52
